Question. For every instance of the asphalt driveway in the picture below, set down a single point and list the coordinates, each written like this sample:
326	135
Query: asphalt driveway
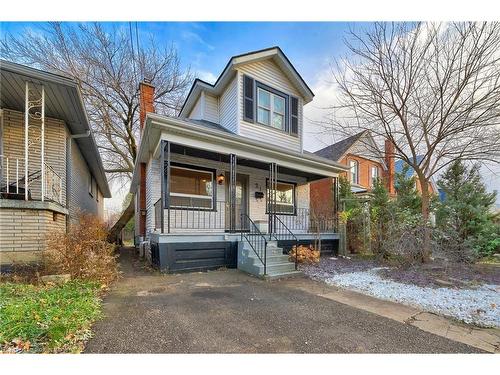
228	311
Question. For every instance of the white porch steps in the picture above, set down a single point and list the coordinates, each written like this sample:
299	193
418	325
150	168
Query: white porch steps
277	265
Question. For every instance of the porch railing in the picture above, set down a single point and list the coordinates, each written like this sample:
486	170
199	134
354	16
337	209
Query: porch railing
283	233
304	221
257	241
188	217
157	207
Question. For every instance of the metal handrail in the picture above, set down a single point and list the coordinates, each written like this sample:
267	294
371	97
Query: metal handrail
255	239
157	208
285	233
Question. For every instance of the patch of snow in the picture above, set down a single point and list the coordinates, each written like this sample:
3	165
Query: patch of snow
478	306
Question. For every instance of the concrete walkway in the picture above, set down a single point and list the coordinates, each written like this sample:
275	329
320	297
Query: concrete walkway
230	312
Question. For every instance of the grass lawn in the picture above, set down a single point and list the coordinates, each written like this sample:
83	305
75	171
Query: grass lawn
47	318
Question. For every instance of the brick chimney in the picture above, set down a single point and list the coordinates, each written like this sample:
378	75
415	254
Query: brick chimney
146	104
146	97
389	161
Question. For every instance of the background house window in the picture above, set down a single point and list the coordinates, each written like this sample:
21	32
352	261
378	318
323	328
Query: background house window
285	198
191	188
354	164
374	175
270	109
92	186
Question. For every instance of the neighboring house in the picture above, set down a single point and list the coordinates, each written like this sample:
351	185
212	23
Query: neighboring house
50	167
226	183
361	155
366	163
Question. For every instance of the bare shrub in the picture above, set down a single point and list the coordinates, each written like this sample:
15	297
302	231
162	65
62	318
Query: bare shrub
82	252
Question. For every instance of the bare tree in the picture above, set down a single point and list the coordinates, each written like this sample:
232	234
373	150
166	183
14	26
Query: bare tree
433	90
108	67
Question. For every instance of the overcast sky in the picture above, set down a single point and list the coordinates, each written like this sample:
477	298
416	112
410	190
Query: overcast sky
207	47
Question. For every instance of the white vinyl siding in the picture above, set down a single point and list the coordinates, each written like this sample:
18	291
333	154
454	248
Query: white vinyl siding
197	112
206	108
271	75
153	193
211	110
228	107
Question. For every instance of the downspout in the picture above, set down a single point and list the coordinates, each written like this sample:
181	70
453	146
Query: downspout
69	142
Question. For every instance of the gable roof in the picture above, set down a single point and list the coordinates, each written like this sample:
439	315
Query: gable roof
228	73
337	150
63	101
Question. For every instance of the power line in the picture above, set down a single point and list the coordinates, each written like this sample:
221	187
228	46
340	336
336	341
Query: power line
132	46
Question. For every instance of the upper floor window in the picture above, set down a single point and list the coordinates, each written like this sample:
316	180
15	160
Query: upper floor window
270	109
374	175
354	164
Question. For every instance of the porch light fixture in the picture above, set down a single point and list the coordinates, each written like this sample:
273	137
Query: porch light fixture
220	179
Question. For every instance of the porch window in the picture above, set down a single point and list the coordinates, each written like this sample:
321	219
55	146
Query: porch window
354	164
270	109
285	198
191	188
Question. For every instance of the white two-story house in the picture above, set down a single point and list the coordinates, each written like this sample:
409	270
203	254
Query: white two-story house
226	183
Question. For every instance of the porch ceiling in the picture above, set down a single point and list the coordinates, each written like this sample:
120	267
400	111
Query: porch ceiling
224	158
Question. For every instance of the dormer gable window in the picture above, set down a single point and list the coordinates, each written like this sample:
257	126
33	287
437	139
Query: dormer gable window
270	109
267	106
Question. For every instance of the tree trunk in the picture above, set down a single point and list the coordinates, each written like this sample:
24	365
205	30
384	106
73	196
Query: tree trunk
426	241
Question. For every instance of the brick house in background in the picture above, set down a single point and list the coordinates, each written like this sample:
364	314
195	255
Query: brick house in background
366	163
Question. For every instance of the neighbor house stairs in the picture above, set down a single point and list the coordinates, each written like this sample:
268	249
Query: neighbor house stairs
277	264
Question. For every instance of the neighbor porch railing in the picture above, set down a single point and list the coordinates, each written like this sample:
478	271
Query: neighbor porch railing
53	190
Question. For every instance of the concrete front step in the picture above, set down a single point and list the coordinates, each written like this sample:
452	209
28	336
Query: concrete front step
277	264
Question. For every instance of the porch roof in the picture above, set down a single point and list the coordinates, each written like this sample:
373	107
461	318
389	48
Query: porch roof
63	101
185	133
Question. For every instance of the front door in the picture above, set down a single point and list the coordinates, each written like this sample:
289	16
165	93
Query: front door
241	198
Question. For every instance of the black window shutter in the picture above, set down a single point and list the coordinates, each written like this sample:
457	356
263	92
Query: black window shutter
248	98
294	116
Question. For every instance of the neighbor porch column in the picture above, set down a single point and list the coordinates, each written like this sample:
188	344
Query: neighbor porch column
26	129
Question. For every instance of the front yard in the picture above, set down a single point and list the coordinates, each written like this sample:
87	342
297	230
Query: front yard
469	293
47	318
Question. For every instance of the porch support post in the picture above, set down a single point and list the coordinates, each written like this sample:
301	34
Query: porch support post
232	192
26	128
166	197
162	184
271	199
